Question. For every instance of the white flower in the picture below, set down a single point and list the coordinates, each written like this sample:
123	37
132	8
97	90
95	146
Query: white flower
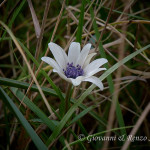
75	67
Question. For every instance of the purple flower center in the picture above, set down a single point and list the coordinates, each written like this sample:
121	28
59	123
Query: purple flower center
72	71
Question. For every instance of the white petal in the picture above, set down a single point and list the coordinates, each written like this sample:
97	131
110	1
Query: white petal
95	81
92	72
74	52
95	65
62	75
88	59
83	54
52	63
77	81
59	54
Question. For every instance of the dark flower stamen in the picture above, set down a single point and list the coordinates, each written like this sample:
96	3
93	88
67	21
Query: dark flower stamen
72	71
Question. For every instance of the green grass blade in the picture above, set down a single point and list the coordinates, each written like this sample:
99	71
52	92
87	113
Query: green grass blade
127	14
15	14
109	78
48	91
44	73
37	141
34	108
85	94
124	13
80	115
24	85
7	130
80	25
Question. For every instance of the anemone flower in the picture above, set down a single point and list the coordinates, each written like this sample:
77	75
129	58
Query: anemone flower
76	67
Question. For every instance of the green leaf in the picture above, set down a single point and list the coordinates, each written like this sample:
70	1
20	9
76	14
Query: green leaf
83	113
24	85
34	108
35	138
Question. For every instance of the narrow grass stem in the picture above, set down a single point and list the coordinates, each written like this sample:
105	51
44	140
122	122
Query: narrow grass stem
68	96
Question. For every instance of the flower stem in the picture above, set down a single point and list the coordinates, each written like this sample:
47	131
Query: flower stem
68	96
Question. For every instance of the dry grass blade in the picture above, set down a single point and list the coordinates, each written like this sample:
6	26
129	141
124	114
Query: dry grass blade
35	20
28	65
110	12
116	90
137	125
2	3
39	42
58	20
141	73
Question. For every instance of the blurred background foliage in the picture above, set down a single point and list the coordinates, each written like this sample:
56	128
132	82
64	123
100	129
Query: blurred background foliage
129	18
